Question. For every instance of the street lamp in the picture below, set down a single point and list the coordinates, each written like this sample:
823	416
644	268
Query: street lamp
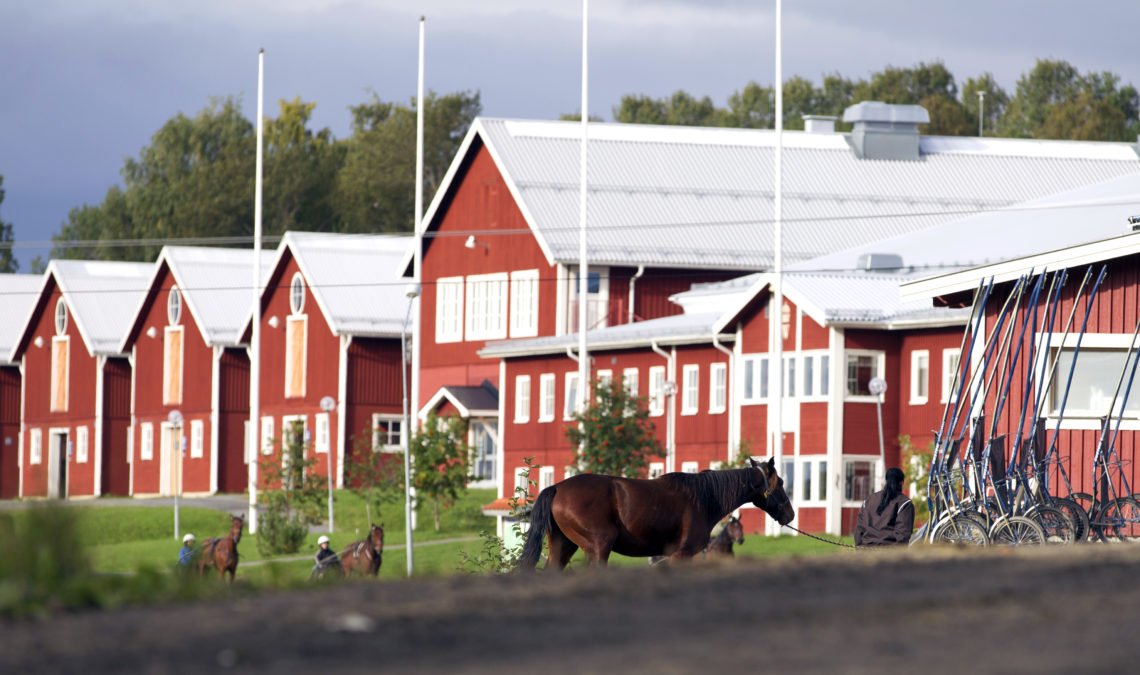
175	420
878	387
669	391
328	404
412	291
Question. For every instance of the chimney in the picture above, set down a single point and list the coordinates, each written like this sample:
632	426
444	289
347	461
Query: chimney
885	130
819	124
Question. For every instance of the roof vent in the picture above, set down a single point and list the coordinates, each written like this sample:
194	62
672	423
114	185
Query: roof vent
1134	221
819	124
884	130
879	262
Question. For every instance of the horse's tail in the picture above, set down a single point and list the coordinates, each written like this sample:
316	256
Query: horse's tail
540	522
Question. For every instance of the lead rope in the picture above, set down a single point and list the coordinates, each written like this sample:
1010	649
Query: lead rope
826	541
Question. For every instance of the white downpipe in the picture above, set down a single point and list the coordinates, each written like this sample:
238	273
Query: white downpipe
670	450
776	308
632	288
583	267
255	334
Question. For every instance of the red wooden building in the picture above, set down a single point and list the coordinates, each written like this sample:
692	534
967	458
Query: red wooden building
77	382
333	310
18	293
187	355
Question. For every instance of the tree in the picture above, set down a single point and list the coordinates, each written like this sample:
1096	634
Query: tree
1054	100
440	456
615	433
995	102
7	262
376	477
753	107
301	167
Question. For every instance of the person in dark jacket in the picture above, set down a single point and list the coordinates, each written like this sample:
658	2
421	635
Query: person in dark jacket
326	559
887	517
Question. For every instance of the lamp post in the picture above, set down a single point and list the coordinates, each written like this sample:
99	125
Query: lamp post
878	387
412	291
328	404
175	420
669	391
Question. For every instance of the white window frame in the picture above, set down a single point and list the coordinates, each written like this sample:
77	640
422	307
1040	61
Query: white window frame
546	398
296	294
629	378
545	477
174	306
486	306
146	441
805	465
522	399
570	404
36	447
197	439
61	317
82	438
449	310
716	465
389	443
791	376
880	368
690	467
656	391
690	389
267	435
524	303
656	469
521	480
916	358
758	393
949	372
604	378
321	433
718	388
850	459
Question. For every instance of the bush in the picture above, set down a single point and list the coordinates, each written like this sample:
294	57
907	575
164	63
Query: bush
298	503
615	433
494	557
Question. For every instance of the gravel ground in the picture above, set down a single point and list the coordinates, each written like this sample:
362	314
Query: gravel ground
931	611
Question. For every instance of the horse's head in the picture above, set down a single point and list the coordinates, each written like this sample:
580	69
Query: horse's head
771	497
236	525
735	530
376	535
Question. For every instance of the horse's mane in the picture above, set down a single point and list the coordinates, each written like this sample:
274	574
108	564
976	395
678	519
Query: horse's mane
714	492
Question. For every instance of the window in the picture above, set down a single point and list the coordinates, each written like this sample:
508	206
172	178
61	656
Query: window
146	449
789	376
629	381
950	360
487	306
809	376
718	387
862	367
266	435
521	480
546	397
821	482
484	449
1094	383
524	303
296	335
690	467
690	378
296	294
657	390
919	377
36	452
857	479
812	474
570	405
656	469
824	375
716	465
322	443
60	317
172	365
605	379
60	362
789	476
545	477
174	306
449	309
522	399
197	442
387	433
755	379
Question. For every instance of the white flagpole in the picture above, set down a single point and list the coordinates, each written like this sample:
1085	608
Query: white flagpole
776	308
409	494
583	267
255	336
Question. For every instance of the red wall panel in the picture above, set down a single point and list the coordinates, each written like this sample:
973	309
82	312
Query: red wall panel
9	432
233	414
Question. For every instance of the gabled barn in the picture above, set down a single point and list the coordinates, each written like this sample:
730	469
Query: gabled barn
77	382
187	355
18	292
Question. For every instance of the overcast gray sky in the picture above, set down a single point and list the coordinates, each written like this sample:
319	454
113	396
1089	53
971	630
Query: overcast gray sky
85	83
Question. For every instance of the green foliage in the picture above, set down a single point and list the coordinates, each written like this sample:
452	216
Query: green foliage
743	454
441	454
376	478
615	433
494	556
1054	100
7	262
916	466
297	501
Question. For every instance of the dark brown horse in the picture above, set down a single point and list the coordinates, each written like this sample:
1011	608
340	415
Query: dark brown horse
721	544
671	515
221	553
364	557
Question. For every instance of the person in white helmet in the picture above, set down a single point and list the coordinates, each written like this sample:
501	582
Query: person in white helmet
186	555
326	559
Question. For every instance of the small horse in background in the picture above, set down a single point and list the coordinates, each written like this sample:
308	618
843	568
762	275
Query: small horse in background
672	515
721	544
364	557
221	553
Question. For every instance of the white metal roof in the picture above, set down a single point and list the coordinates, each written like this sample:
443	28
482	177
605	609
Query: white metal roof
704	195
355	278
671	330
18	295
216	285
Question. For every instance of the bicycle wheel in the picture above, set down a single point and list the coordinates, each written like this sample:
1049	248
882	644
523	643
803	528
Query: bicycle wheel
980	518
961	531
1120	520
1016	531
1056	523
1077	515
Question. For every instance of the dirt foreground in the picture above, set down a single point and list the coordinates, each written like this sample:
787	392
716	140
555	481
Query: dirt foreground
933	611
